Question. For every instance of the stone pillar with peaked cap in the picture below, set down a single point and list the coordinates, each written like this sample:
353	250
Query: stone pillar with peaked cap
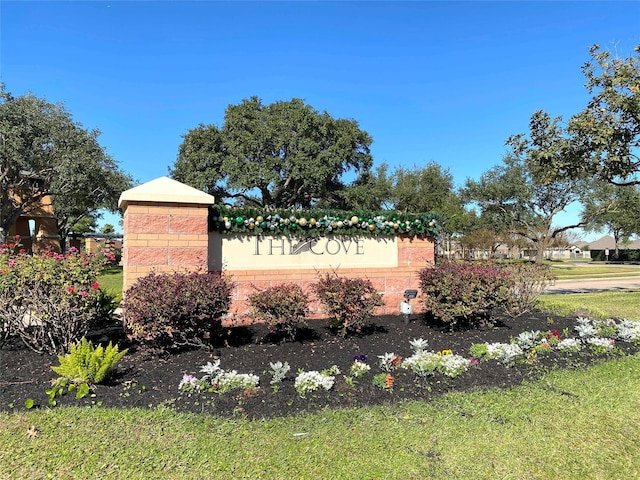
165	229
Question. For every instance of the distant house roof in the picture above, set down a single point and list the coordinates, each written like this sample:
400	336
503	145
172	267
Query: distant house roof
608	242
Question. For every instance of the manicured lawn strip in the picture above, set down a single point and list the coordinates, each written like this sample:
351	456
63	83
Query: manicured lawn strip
111	281
571	424
565	271
600	305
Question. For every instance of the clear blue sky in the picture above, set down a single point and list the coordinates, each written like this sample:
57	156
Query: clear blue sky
430	81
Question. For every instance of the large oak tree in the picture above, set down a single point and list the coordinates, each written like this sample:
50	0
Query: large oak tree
43	151
282	155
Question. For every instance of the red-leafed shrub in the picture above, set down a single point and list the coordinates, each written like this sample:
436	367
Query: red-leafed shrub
463	293
169	312
349	302
282	307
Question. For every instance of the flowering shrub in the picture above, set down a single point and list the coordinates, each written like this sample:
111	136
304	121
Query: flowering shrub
349	302
49	300
463	292
282	307
169	312
311	381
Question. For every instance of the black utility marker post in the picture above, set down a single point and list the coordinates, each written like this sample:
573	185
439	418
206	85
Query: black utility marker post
405	306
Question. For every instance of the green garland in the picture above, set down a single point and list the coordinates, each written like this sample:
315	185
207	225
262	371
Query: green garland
316	222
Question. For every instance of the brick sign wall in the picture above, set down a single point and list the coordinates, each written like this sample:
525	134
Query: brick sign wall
166	229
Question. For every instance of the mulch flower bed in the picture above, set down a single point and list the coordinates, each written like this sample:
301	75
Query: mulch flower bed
147	381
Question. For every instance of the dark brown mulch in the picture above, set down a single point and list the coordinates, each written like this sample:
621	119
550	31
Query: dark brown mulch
149	381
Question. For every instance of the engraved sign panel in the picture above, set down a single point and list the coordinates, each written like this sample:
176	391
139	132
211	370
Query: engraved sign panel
231	252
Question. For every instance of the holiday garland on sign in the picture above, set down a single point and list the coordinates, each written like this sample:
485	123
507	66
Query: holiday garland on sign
256	221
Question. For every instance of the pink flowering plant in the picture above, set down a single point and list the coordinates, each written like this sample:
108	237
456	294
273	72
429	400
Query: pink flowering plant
49	300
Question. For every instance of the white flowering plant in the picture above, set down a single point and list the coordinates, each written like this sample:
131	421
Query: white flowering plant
217	380
569	345
628	331
311	381
358	368
389	362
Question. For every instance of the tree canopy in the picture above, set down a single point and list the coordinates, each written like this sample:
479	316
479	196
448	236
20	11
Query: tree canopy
521	197
282	155
44	152
603	140
612	209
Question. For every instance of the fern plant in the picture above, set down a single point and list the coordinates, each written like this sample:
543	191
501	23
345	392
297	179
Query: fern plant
86	364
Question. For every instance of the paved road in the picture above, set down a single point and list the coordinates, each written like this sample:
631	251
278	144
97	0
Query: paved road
594	285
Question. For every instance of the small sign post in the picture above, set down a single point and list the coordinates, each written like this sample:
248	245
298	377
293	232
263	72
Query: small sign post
606	254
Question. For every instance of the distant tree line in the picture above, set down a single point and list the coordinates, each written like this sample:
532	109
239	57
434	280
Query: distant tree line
289	155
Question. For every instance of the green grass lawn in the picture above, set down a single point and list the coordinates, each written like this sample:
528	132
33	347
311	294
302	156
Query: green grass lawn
599	305
572	424
111	281
567	270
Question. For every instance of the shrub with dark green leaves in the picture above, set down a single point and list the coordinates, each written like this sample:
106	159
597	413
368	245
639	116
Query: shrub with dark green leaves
349	302
463	293
282	307
527	282
173	311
